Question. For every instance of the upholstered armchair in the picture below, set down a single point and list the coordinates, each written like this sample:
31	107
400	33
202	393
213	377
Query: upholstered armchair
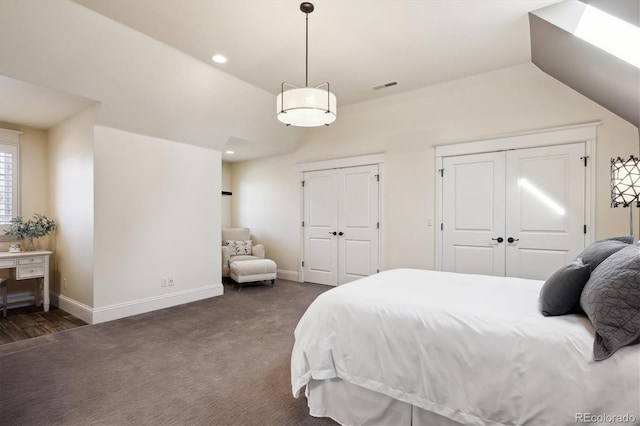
235	247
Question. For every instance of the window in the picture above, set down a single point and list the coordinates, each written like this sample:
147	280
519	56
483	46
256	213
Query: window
610	33
9	175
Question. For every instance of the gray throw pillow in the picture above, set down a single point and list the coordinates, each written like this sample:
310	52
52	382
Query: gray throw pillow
596	252
560	294
624	238
611	300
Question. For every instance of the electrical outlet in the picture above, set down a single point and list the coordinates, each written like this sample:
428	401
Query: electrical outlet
164	281
64	283
171	281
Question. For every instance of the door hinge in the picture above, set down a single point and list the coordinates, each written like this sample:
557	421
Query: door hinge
302	183
441	172
378	225
303	223
442	226
303	263
585	158
585	229
377	178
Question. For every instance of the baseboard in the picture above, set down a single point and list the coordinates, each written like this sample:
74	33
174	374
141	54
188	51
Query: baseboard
134	307
287	275
72	306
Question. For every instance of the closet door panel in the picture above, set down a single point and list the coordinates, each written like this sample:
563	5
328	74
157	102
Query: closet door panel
473	214
320	221
358	222
546	209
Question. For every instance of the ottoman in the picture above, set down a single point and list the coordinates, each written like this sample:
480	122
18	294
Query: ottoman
244	271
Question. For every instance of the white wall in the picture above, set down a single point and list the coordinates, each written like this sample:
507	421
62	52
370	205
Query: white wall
71	203
406	128
157	214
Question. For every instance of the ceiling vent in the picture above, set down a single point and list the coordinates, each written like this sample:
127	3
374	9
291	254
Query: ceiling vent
384	86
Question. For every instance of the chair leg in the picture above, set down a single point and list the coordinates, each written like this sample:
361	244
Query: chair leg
3	292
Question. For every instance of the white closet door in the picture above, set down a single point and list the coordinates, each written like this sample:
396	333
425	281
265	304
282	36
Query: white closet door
341	235
532	199
357	222
545	209
473	214
320	224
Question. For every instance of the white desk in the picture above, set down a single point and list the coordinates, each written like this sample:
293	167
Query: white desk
28	265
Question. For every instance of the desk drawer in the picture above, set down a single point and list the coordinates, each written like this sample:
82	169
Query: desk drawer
29	271
30	260
7	263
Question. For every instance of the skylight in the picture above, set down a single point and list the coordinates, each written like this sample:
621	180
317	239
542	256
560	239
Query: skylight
611	34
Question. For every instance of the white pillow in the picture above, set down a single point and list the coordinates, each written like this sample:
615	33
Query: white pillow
238	247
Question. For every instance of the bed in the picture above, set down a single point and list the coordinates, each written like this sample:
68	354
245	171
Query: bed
434	348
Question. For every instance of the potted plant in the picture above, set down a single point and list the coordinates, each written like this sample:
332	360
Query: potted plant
30	230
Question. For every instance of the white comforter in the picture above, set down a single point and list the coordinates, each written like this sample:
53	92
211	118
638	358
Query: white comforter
470	347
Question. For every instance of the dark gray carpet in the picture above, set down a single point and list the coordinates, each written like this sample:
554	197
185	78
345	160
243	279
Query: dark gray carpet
220	361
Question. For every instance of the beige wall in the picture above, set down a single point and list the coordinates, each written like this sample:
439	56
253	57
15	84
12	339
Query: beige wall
406	128
157	214
34	190
71	200
34	170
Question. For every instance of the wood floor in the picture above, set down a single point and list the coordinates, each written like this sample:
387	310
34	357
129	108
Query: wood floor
31	321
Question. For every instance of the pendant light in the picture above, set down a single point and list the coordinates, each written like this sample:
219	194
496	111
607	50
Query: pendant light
306	106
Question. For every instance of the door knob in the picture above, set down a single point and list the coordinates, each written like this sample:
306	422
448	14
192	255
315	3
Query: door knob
499	239
333	233
341	233
512	240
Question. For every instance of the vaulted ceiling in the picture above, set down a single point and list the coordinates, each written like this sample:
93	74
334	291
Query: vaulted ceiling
149	62
355	45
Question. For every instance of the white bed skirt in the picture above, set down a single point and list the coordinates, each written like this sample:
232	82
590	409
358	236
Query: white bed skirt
349	404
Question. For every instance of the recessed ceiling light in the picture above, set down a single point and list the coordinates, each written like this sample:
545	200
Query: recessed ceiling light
219	59
229	152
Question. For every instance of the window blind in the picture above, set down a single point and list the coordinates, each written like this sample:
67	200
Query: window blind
6	187
8	182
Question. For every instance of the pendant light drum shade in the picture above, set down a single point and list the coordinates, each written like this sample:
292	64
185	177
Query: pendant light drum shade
306	107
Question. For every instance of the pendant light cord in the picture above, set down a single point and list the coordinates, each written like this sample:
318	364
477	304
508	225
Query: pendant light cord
306	49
